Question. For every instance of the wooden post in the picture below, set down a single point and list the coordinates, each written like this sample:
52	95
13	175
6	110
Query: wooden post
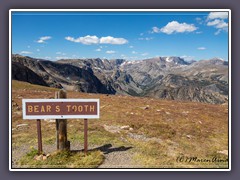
39	132
85	135
61	126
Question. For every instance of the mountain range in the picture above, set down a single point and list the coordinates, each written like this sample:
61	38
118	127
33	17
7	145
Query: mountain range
160	77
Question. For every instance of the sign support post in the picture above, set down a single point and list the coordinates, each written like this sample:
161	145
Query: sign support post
85	135
61	109
61	126
39	132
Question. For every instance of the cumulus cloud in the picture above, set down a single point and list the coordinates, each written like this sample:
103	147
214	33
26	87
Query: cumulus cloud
88	40
175	27
218	23
43	39
112	40
110	52
26	52
98	49
217	15
217	20
131	47
201	48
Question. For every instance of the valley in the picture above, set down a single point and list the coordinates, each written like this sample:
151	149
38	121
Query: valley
169	78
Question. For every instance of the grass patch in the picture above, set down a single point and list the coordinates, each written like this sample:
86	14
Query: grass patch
65	159
174	128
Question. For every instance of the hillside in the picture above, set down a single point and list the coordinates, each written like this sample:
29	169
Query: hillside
161	77
132	132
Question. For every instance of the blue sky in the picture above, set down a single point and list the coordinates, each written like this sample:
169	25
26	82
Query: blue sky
125	35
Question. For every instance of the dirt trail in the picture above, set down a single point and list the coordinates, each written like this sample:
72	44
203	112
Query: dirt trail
114	157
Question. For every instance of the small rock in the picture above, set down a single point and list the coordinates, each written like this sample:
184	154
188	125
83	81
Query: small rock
21	125
168	113
48	155
225	152
132	113
200	122
44	158
130	129
50	120
189	136
39	158
158	110
125	127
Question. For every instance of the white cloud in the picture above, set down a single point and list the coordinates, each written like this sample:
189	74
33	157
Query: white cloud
110	52
217	20
175	27
38	50
198	19
112	40
28	46
217	23
131	47
87	40
199	32
156	30
201	48
218	32
61	53
99	49
44	39
134	52
26	52
217	15
141	34
187	58
147	38
144	54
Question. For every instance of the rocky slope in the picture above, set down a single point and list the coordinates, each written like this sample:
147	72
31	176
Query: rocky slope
60	75
160	77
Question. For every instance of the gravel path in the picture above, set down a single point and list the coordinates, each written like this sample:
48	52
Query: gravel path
118	157
115	157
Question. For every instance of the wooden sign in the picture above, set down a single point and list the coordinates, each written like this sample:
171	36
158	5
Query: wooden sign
60	108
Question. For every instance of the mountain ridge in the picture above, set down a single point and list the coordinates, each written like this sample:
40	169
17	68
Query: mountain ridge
159	77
